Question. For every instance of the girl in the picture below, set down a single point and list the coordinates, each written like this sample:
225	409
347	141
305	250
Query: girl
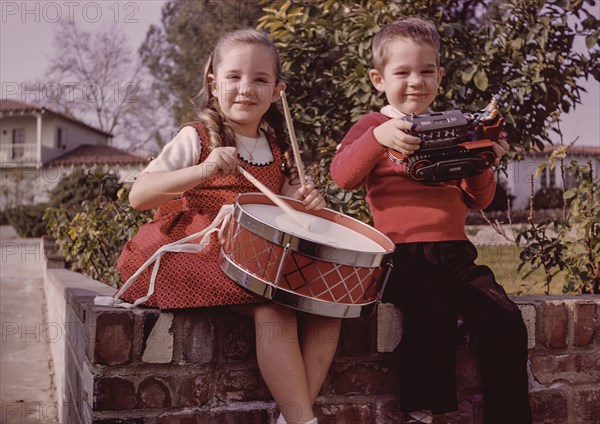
239	125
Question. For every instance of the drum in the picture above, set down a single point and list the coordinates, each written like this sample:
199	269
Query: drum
338	268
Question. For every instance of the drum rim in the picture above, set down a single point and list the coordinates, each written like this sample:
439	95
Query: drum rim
290	298
310	248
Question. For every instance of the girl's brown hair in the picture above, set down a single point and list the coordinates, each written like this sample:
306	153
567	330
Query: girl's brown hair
221	132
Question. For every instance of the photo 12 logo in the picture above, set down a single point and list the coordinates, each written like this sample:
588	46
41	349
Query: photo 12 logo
69	11
70	92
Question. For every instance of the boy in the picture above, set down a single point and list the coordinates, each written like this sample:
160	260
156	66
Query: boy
434	278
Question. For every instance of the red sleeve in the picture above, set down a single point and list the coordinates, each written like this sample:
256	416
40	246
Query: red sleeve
479	190
358	153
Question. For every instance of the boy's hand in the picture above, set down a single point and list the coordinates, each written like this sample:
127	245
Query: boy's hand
501	147
310	196
392	134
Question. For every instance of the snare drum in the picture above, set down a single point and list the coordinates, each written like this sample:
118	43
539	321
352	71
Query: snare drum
337	269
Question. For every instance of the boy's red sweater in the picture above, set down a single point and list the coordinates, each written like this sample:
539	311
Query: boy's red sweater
404	209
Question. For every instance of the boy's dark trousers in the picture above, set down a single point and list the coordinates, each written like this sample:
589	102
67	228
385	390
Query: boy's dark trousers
433	283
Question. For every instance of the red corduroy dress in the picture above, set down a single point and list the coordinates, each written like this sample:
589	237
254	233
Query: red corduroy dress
188	280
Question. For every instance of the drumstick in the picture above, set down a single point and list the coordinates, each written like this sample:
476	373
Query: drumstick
275	199
295	148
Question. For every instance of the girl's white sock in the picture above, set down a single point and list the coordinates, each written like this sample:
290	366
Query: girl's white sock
281	420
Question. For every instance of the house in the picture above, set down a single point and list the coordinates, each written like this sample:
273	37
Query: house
39	147
521	174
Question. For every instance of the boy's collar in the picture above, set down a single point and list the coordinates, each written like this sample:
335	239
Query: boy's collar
391	112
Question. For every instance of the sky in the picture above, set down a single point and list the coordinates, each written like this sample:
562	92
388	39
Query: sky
27	30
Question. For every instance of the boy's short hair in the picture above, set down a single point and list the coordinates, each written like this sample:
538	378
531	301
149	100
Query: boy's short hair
414	28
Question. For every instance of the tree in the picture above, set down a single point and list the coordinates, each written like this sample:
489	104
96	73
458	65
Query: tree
95	77
176	51
522	50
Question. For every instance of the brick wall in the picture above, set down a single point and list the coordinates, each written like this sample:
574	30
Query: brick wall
198	366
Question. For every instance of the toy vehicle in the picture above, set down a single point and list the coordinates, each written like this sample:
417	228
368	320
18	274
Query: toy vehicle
453	144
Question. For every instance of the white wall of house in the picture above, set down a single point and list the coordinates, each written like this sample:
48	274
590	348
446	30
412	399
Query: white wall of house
58	136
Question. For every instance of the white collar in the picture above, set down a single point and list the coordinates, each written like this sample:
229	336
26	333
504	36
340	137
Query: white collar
391	112
254	150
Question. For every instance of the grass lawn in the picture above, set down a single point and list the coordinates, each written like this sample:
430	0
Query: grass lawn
504	261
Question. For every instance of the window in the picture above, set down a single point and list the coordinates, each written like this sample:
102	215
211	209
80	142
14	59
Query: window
548	178
61	138
18	141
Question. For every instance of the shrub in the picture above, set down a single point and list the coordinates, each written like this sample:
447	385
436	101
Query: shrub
521	50
501	198
548	198
79	186
27	220
569	244
91	237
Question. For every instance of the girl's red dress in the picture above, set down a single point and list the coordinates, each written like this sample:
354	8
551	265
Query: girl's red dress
188	280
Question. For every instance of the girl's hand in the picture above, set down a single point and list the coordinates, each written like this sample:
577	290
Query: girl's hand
392	134
310	196
501	147
221	161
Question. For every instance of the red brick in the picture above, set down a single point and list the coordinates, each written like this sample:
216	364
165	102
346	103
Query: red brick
555	325
548	368
198	333
365	378
587	406
549	407
221	417
351	413
148	320
463	415
194	390
467	371
242	385
111	333
587	365
585	320
389	412
359	336
573	368
153	393
239	338
114	393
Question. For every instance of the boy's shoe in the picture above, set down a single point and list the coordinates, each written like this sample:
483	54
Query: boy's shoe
418	417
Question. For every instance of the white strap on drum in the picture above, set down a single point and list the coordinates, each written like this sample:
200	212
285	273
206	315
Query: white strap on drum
181	245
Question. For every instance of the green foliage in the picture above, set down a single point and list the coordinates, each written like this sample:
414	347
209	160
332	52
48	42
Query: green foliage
548	198
176	51
79	186
4	217
502	199
522	50
92	236
570	244
27	220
